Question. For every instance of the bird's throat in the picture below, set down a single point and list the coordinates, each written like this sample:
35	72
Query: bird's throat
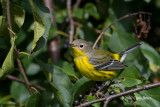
77	53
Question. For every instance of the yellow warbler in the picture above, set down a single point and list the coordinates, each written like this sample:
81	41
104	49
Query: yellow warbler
98	65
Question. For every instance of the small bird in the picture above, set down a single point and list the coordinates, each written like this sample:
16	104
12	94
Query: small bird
98	65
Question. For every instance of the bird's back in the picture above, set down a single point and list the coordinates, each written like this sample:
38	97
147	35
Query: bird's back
87	65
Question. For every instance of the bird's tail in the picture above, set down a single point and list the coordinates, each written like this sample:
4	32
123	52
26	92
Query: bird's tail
125	52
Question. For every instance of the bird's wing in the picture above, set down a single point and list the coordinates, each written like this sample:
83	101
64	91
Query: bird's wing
103	60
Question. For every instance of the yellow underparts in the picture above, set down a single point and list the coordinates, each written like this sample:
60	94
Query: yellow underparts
87	69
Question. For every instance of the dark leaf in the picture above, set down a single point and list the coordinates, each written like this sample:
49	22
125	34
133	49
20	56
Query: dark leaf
33	101
42	23
130	77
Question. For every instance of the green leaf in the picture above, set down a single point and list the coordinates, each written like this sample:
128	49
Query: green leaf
42	24
33	101
61	86
148	98
56	103
47	70
5	98
81	33
147	102
19	92
91	98
157	3
52	32
123	41
33	69
154	93
8	64
78	12
147	1
81	86
21	37
150	54
60	83
10	104
130	77
46	99
3	26
17	15
61	15
68	68
92	10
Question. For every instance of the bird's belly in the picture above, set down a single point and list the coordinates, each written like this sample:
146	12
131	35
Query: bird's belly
87	69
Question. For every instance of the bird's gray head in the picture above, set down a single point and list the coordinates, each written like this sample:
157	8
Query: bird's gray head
80	47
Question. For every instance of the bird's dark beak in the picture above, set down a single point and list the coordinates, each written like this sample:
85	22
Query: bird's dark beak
72	45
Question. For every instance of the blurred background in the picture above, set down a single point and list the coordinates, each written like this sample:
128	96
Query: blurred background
90	18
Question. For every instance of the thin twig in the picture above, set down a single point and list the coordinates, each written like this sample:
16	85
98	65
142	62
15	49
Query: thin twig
76	5
126	16
23	82
71	32
111	97
8	18
106	103
21	70
128	96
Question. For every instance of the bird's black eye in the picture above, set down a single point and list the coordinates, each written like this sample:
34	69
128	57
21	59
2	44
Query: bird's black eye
81	46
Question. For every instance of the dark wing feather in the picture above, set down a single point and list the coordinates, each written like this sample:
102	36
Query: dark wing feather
102	60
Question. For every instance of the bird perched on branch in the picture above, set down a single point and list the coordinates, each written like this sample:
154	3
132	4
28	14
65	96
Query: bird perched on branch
98	65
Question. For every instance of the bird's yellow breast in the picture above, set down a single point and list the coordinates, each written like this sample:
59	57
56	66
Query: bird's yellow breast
87	69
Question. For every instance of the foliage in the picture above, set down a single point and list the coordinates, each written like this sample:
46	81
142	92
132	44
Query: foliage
31	23
8	64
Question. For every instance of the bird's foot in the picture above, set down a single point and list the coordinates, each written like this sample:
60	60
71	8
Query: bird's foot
99	94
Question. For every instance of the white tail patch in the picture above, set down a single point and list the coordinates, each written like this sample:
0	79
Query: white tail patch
123	57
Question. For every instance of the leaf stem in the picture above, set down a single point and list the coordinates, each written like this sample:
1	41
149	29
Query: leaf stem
23	82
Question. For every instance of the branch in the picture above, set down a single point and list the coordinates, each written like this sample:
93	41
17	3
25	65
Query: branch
8	17
107	99
76	5
129	97
54	43
71	32
21	70
124	17
50	5
23	82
